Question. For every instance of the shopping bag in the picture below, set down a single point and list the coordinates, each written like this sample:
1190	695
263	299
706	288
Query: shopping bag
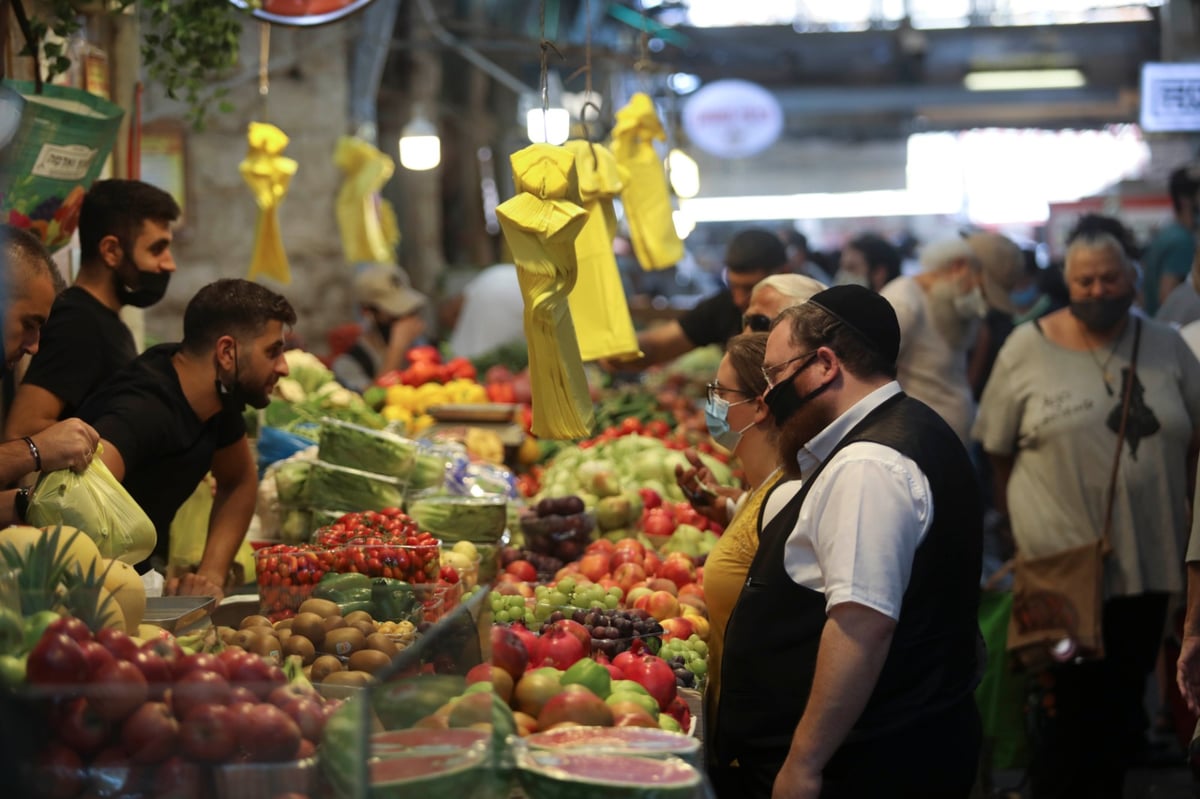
96	503
1057	607
1000	695
58	150
189	535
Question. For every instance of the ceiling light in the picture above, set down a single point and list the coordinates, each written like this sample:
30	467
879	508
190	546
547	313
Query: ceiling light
1001	80
420	147
550	127
684	174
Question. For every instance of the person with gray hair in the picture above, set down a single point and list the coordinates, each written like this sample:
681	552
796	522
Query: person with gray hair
774	293
1049	420
940	312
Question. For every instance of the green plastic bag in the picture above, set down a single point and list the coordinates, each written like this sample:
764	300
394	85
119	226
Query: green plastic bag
1000	696
189	535
98	505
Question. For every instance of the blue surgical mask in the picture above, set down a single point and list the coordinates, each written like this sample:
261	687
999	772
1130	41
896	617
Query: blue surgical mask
1023	298
716	412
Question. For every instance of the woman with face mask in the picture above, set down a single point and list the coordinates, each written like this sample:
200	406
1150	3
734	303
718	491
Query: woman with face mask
1049	420
739	421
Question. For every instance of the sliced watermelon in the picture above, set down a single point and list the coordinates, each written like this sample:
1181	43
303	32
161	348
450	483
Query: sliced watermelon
442	776
565	775
642	741
426	741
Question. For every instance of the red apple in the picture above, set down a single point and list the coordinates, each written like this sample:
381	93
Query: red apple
679	570
600	545
267	734
207	734
502	682
650	498
523	570
56	659
97	657
535	689
156	671
151	734
635	593
658	522
82	729
509	652
119	689
58	772
242	694
110	775
510	585
71	627
309	716
254	673
176	778
594	565
662	584
651	563
121	645
283	694
198	688
165	647
661	605
628	574
679	710
677	627
200	661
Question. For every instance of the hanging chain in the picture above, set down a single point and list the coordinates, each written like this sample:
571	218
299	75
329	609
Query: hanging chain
264	60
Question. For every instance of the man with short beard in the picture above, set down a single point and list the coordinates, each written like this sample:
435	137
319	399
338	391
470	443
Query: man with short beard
175	413
125	259
940	312
853	651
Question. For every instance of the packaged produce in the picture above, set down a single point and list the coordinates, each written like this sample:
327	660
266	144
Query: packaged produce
331	486
291	481
558	527
378	451
460	518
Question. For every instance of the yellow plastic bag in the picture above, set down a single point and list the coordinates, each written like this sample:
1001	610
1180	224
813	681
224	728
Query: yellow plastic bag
269	173
189	534
646	195
365	219
98	505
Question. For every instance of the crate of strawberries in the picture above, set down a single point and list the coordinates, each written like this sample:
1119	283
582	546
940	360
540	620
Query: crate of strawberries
376	544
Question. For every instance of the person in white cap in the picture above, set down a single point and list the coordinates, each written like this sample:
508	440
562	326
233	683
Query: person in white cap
392	323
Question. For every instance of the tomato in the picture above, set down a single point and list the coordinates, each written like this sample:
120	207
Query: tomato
657	428
426	354
631	424
461	369
388	379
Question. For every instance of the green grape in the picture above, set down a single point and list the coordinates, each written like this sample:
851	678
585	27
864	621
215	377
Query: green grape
497	605
557	599
611	602
516	601
616	591
530	618
701	648
596	603
699	666
542	611
502	617
566	585
541	591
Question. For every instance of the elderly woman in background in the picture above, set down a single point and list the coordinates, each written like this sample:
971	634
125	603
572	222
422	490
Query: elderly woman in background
774	293
738	420
1049	419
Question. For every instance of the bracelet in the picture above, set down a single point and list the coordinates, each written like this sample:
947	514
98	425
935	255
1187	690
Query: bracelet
33	450
21	504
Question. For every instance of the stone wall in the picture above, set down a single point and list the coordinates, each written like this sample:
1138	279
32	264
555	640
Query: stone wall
308	101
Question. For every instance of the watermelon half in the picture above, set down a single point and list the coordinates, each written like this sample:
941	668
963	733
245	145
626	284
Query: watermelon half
424	742
566	775
443	776
640	741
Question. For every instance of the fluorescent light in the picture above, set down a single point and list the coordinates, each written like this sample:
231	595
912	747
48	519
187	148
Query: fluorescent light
1002	80
420	147
554	127
684	174
847	205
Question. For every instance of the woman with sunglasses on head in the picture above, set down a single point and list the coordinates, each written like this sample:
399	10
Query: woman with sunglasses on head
739	421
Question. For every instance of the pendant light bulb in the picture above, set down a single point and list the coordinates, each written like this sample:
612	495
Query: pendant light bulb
420	147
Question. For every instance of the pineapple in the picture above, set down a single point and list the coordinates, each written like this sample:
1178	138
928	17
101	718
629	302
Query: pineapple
87	599
42	566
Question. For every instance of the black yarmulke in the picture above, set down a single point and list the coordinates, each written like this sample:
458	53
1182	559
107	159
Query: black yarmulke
867	314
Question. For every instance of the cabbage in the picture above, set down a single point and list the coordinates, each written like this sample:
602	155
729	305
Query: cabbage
291	478
307	370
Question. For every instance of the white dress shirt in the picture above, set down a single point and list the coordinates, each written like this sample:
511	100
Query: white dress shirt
863	519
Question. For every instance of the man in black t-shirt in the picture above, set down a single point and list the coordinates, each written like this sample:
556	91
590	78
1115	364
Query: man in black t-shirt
752	254
30	281
175	413
125	251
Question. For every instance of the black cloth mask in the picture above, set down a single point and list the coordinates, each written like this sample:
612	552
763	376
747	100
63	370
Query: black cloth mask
234	399
140	289
783	400
1103	313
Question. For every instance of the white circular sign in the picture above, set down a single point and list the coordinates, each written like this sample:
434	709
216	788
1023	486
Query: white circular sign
733	119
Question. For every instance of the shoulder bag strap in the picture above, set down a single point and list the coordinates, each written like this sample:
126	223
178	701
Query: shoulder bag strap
1125	402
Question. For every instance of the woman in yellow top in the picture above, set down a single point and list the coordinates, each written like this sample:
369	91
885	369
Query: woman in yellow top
739	421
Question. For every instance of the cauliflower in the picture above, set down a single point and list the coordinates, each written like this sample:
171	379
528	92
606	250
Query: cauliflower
307	370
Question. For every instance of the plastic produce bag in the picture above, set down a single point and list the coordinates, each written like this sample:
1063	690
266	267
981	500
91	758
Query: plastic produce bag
97	504
189	534
646	195
275	445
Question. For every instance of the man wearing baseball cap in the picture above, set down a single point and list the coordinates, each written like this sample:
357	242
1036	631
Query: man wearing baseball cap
852	655
392	322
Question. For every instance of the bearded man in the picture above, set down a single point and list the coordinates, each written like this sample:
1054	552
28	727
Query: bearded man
125	260
940	312
853	651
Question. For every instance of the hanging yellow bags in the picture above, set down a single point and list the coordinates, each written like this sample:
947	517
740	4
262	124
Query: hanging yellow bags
366	220
268	173
540	225
598	305
646	198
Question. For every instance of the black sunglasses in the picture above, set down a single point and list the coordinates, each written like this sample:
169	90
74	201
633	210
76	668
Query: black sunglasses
757	322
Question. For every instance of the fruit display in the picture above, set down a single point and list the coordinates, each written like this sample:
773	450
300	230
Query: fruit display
557	526
452	518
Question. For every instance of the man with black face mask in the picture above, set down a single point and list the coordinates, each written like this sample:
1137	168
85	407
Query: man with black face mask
392	323
853	651
125	259
175	414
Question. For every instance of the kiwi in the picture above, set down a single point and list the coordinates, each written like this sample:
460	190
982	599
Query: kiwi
226	634
283	635
246	639
343	684
364	627
357	616
311	626
381	643
343	641
334	623
255	621
322	607
349	677
323	666
296	644
259	630
369	660
284	624
268	646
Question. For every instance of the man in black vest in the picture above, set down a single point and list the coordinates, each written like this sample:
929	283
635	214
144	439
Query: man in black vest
853	651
